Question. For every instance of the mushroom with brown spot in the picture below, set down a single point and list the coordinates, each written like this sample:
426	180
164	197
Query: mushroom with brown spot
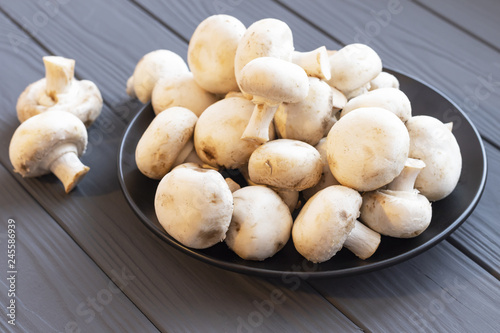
284	163
261	223
166	142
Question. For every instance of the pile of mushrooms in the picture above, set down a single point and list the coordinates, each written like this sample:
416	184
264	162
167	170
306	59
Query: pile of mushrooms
55	113
323	135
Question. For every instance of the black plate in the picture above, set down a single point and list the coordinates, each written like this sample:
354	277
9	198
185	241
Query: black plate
448	214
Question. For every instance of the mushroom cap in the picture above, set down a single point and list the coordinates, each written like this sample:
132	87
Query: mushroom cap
432	142
402	214
284	163
391	99
217	136
327	178
264	38
181	90
367	148
325	221
35	139
194	206
353	66
274	80
83	99
211	52
163	140
152	67
384	80
261	223
308	119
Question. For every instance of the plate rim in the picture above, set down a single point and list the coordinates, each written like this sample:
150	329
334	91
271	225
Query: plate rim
343	272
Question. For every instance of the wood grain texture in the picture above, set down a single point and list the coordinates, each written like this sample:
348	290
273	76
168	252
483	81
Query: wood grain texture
176	292
479	18
56	282
434	292
479	235
413	41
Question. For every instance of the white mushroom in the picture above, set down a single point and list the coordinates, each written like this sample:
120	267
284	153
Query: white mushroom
60	91
353	66
181	90
211	53
384	80
316	63
391	99
325	223
284	163
310	118
398	211
434	143
327	178
51	141
217	136
270	81
261	223
194	206
273	38
166	142
367	148
153	66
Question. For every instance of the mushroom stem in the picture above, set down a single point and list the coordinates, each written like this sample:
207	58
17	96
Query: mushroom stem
69	169
406	179
184	153
316	62
449	125
362	241
258	126
59	72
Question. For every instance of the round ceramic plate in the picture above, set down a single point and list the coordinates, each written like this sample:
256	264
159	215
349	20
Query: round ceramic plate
448	214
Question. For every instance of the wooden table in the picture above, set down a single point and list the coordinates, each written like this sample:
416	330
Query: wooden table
86	263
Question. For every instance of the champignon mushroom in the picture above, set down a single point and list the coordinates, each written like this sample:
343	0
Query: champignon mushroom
270	81
211	53
60	91
217	136
310	118
367	148
327	178
384	80
398	211
166	142
181	90
194	205
325	223
316	63
434	143
51	141
153	66
273	38
353	66
261	223
391	99
285	163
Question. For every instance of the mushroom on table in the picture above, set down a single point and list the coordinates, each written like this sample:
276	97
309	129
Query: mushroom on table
59	90
50	142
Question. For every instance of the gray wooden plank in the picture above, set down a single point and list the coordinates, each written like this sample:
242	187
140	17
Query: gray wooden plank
176	292
414	41
433	292
479	235
479	18
57	286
